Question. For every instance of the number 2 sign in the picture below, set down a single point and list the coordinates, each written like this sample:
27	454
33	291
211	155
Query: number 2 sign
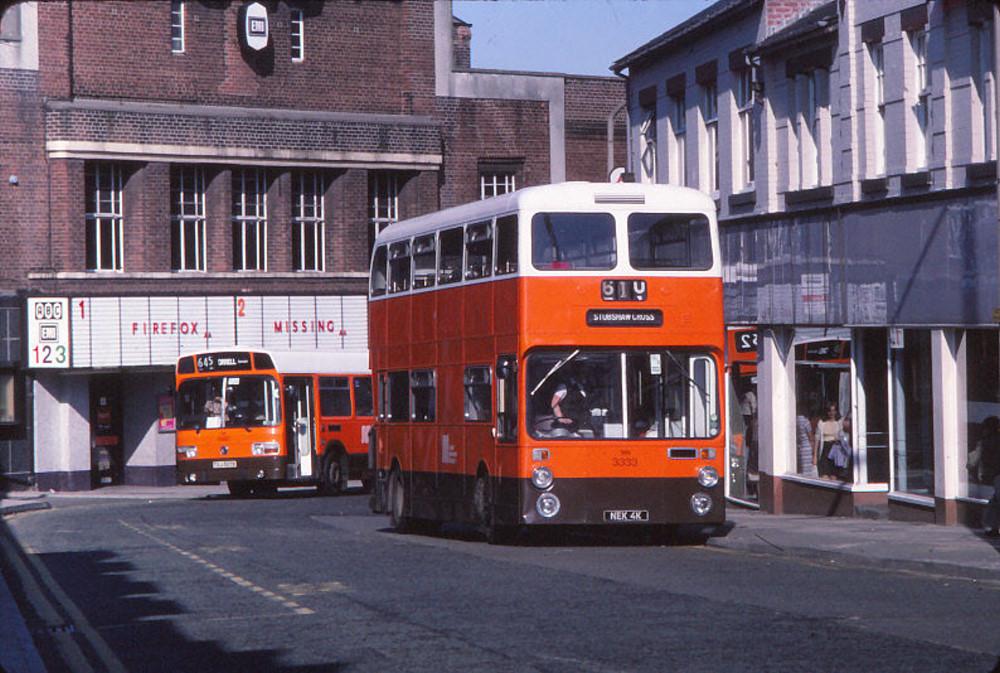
48	332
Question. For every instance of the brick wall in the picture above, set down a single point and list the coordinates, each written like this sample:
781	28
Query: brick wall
780	13
589	101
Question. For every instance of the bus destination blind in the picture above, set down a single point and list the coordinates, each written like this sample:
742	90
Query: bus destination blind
221	362
628	317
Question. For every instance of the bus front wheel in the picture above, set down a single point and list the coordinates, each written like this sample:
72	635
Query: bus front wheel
398	502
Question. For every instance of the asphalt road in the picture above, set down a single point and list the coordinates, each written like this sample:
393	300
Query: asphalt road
306	583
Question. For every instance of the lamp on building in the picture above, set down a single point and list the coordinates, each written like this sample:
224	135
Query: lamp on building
13	181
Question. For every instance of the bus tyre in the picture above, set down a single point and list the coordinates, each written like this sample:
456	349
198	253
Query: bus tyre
239	489
398	502
485	511
333	479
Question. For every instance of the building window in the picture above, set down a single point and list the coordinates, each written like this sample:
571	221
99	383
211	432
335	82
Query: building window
647	145
297	38
250	220
308	221
10	23
923	145
177	26
383	202
808	127
494	182
678	120
105	251
710	116
984	82
877	137
187	205
744	108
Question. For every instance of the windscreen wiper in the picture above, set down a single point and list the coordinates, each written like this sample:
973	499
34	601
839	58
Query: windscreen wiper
556	367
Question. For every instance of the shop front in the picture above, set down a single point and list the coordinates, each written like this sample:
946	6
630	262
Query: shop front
101	371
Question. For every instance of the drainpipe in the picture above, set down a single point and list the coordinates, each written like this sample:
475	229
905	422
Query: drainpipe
611	137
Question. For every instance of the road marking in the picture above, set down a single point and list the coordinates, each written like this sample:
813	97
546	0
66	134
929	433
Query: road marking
222	572
61	630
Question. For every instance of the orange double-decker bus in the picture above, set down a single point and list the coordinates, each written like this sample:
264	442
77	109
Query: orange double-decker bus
551	356
258	420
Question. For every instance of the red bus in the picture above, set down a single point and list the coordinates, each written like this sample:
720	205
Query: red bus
258	420
551	356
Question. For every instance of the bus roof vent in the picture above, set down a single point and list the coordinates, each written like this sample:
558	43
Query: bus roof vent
620	198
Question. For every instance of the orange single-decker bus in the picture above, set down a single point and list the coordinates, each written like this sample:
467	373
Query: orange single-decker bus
258	420
551	356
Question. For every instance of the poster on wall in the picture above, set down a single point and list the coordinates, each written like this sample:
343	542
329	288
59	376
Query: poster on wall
48	333
165	409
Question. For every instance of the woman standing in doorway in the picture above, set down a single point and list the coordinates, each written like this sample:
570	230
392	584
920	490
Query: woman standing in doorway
828	432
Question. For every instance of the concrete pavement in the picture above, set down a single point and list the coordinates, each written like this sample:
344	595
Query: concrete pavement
891	545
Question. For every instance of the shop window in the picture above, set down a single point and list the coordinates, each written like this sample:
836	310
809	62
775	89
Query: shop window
982	411
334	396
823	406
478	394
8	398
913	412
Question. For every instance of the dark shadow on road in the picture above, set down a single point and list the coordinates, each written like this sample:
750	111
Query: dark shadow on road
296	493
131	617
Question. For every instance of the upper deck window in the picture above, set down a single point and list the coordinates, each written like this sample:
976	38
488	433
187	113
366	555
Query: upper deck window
378	279
669	241
563	241
424	261
506	235
399	266
479	250
450	269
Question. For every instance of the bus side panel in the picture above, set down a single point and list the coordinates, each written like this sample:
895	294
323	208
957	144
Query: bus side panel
397	323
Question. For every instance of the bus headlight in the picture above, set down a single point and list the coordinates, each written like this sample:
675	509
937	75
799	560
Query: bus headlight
547	505
542	477
708	476
701	503
265	448
187	451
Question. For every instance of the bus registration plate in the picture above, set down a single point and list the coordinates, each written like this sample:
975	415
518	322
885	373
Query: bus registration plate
625	515
223	464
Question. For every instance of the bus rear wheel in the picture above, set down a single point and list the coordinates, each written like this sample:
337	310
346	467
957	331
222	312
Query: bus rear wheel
398	503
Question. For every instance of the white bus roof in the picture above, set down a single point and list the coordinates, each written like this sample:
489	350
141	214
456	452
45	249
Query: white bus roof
565	196
306	362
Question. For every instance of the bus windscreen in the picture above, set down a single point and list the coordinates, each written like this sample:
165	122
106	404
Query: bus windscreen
562	241
228	401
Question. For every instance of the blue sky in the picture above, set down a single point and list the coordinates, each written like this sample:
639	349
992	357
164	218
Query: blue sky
572	36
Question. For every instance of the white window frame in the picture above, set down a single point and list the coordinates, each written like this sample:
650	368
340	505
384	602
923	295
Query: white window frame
921	103
297	35
177	16
744	111
808	130
309	216
383	201
250	217
679	120
104	181
710	118
986	88
876	62
496	182
647	145
189	181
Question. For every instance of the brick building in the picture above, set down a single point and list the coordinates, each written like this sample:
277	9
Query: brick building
852	149
168	185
